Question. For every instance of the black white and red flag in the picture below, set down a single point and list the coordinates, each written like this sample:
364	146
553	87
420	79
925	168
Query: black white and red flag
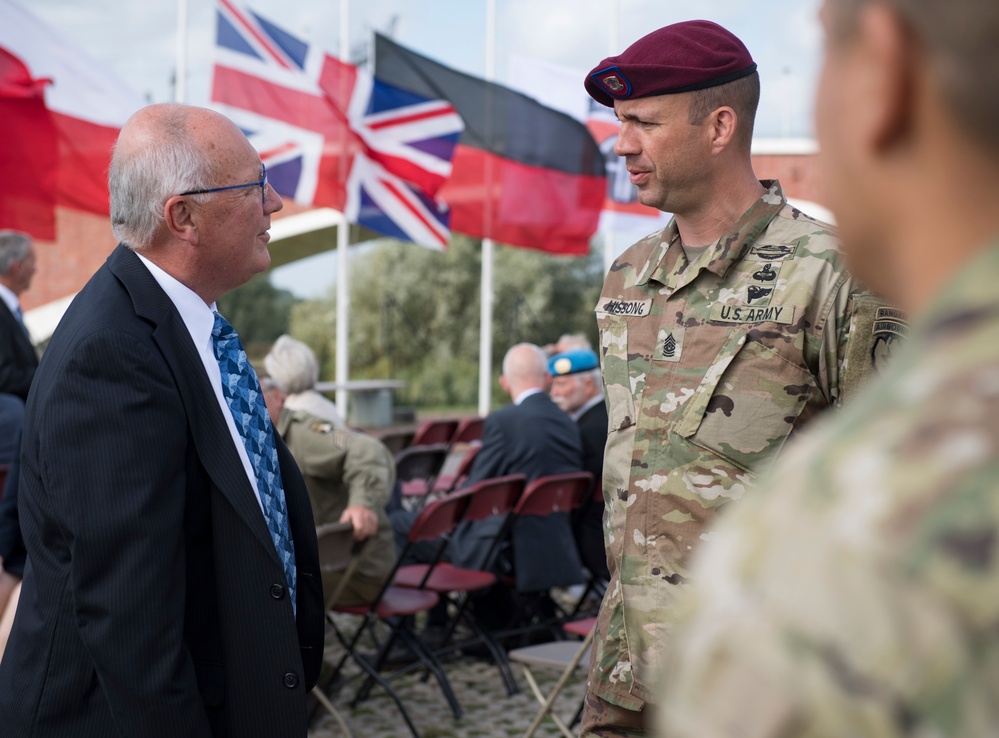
522	174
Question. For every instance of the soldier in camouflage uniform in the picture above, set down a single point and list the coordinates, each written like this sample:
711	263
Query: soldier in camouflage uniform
719	335
856	591
349	477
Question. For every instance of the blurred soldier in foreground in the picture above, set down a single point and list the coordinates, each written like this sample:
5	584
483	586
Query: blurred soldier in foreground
857	593
720	336
578	390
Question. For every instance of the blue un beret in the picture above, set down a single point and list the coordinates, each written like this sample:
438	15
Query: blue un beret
572	362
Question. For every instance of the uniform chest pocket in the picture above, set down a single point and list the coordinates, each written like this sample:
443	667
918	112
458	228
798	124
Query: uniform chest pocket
747	404
620	387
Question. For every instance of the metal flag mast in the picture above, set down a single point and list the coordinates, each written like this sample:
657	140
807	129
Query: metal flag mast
342	243
486	318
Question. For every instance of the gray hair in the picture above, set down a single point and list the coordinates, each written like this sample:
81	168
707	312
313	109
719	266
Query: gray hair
594	374
14	247
150	170
292	365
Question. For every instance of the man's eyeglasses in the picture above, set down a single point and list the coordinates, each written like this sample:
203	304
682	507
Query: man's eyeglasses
262	184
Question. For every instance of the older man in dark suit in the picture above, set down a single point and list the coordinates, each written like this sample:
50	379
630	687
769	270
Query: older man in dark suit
18	360
531	437
578	390
172	586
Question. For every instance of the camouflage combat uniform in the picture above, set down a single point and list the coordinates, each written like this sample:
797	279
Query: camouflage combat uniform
344	468
857	591
708	367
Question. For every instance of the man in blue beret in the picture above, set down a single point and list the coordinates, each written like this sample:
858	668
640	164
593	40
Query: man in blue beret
720	336
579	391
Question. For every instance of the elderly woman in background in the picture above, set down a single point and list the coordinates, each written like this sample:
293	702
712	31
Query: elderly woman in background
293	367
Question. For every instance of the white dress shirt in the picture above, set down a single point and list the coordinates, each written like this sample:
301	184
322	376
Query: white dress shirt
199	319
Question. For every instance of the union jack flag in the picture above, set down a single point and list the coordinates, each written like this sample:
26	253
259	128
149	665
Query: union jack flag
331	134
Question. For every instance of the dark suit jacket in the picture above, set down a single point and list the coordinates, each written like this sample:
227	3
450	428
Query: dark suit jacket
153	601
536	439
18	359
587	523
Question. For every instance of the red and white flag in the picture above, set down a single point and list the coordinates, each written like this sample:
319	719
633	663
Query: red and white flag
60	113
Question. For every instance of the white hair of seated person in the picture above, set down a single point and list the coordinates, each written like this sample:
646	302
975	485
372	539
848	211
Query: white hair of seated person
292	365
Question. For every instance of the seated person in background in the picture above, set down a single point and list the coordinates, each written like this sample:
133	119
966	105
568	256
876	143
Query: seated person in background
349	477
13	555
578	390
531	437
294	369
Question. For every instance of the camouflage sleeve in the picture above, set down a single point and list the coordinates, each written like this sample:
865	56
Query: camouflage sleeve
368	472
800	627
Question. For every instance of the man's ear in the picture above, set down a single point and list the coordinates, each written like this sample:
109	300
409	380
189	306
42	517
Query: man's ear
179	219
891	57
723	123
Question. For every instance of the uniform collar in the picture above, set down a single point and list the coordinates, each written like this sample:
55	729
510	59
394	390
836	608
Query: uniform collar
727	251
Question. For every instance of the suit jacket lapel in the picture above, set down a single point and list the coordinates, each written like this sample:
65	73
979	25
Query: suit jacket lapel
208	427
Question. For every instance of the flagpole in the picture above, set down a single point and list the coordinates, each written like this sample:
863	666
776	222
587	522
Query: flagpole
342	265
180	83
614	40
486	318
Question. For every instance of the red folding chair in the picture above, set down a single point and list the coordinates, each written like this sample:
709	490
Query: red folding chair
555	493
416	469
393	606
397	439
485	499
440	430
468	431
457	467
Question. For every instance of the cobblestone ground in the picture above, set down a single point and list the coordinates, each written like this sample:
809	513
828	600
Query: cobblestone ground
488	711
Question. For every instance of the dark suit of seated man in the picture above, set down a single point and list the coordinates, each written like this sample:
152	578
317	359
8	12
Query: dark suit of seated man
172	585
531	437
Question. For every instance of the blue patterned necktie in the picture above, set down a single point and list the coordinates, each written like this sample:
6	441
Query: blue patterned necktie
246	403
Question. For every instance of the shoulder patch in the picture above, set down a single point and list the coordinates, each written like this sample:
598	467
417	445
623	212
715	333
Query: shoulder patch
875	330
321	428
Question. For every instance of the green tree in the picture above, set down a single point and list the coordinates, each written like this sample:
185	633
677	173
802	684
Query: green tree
259	311
415	314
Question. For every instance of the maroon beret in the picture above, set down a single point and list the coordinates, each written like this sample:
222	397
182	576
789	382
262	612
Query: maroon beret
692	55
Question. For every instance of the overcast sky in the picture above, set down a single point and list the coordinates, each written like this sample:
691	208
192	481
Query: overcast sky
138	40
